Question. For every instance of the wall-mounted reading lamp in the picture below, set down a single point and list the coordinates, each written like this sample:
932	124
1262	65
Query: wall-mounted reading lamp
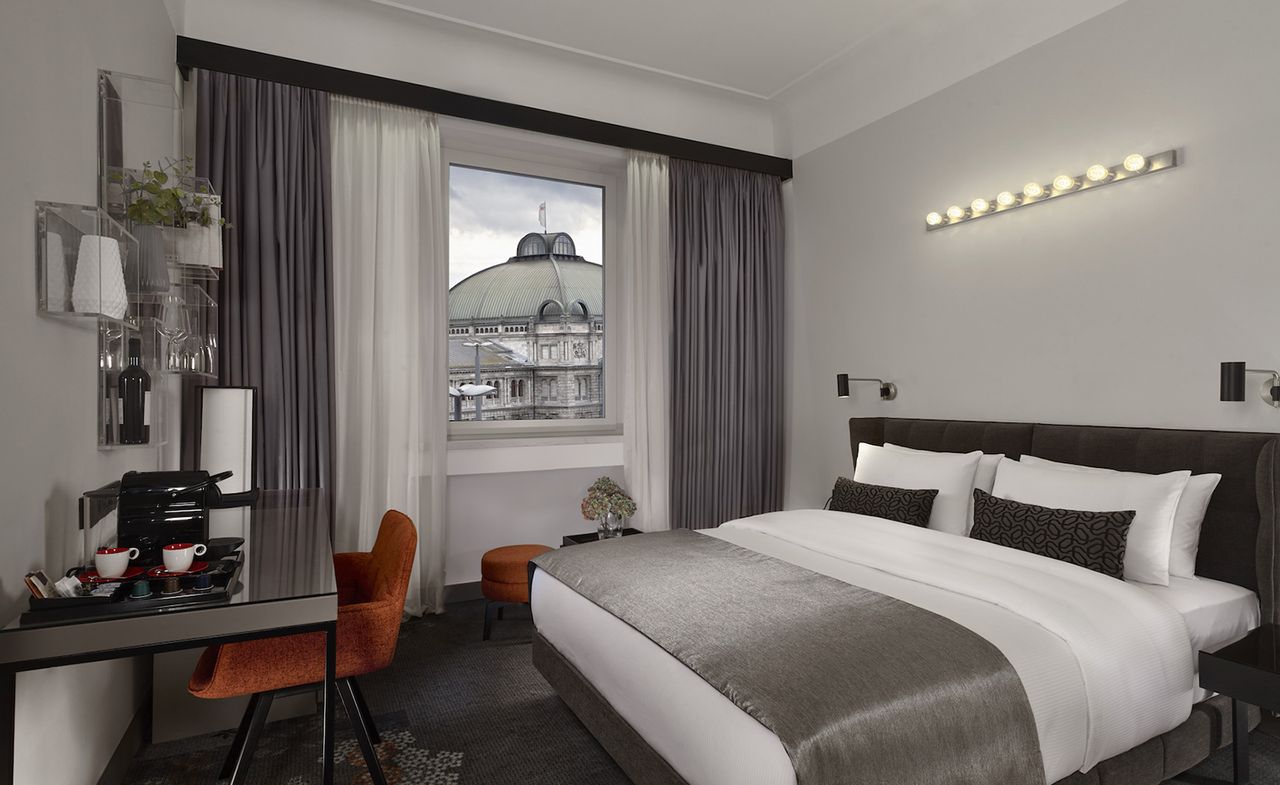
1232	387
888	390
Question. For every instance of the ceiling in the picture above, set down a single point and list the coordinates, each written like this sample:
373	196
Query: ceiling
753	47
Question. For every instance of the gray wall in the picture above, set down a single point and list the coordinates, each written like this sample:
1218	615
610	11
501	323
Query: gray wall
50	51
1113	307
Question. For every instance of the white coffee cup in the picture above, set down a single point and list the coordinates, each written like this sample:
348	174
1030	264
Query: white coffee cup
113	562
178	556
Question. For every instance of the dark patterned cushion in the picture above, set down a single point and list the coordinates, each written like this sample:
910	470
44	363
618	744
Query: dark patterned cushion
1094	540
880	501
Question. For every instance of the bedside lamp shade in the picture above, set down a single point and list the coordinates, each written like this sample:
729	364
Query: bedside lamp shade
842	385
1232	383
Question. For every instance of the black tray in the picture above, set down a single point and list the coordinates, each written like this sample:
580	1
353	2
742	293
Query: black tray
59	610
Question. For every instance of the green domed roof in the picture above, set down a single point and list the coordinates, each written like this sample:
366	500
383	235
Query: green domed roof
531	285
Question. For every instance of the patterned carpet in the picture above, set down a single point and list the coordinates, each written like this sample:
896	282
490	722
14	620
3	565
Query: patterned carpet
457	711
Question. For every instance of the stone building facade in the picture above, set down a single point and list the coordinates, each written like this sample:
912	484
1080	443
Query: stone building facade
533	328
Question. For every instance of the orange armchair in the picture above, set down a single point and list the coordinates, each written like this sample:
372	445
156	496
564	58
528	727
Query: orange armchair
371	592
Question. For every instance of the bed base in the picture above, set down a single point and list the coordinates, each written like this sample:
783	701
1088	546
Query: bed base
1205	731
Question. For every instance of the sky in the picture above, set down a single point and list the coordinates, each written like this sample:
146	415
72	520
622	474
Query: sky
490	211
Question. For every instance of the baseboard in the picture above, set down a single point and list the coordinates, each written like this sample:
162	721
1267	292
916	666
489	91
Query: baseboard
462	592
135	736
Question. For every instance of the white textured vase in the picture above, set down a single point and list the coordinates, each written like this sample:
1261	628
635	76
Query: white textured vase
99	284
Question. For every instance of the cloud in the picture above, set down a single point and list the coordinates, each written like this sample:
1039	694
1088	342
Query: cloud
490	211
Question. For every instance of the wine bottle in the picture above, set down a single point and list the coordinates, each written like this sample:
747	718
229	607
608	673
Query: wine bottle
134	389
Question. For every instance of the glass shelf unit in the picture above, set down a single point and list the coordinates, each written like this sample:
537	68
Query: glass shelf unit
172	270
86	263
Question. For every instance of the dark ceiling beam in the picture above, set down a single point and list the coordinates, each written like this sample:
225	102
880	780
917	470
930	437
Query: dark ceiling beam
194	53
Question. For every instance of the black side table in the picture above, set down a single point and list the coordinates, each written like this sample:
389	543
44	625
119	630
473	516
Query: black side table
579	539
1247	671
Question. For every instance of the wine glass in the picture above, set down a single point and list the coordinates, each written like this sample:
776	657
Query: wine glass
173	326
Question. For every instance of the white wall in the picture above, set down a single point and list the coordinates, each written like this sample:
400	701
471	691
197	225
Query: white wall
50	51
376	39
489	510
1112	307
928	46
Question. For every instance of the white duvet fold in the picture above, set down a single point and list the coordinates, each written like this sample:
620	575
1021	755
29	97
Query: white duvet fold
1133	664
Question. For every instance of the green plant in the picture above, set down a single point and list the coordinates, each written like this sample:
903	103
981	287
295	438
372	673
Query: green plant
153	201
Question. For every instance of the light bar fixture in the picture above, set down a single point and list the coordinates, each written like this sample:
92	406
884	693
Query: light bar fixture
1096	176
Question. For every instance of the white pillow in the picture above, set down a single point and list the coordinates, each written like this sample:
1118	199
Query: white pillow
1187	521
984	478
1154	497
950	474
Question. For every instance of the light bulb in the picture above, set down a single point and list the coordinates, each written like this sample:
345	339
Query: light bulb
1134	162
1097	173
1033	190
1006	199
1064	182
933	219
979	205
955	212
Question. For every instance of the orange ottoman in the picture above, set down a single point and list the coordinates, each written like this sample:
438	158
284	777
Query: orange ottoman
504	579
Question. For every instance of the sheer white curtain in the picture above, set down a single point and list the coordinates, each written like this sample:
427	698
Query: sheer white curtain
390	288
647	304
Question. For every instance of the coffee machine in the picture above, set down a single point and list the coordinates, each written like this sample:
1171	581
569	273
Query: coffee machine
155	509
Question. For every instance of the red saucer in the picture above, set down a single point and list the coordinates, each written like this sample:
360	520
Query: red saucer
161	572
91	576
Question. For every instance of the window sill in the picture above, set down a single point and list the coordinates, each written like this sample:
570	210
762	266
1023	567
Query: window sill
533	454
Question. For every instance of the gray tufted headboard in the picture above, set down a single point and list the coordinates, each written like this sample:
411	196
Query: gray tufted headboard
1238	543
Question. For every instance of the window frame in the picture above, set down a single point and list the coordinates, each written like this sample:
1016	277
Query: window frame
526	155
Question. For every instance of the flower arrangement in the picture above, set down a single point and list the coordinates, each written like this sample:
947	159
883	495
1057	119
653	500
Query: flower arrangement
605	497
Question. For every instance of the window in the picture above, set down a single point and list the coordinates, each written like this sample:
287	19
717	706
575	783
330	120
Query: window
529	297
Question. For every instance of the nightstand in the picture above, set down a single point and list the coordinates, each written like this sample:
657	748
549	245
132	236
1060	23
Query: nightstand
1248	672
578	539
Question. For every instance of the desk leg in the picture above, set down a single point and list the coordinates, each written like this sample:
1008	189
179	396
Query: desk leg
1240	741
8	724
330	697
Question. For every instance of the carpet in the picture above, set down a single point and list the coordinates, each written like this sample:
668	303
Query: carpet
454	710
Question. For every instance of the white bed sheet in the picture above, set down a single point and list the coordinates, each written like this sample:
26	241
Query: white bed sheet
710	741
1217	613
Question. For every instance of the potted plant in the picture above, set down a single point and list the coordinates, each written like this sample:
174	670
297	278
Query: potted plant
185	212
610	505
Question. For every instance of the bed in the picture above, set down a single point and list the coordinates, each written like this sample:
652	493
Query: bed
1106	709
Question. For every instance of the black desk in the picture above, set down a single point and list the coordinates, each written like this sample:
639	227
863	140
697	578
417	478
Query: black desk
287	586
1247	671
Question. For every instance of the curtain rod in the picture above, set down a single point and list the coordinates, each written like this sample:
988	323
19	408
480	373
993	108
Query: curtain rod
195	53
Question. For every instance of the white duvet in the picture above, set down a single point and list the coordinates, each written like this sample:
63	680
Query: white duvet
1106	666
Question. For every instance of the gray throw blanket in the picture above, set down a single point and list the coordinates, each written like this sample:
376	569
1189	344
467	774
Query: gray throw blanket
860	688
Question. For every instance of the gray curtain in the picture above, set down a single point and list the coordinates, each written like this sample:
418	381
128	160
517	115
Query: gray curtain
265	148
727	391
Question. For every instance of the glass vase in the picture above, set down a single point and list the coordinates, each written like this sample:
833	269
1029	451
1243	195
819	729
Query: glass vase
611	525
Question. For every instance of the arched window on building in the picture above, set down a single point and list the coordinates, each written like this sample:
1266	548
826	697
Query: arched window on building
563	246
532	245
550	310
